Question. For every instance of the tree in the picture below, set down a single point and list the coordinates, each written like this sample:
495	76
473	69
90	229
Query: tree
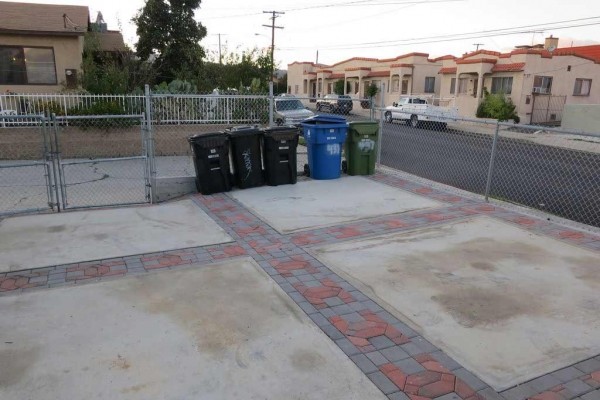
237	70
111	72
167	31
338	87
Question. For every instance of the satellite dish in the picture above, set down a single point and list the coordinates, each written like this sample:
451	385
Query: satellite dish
551	48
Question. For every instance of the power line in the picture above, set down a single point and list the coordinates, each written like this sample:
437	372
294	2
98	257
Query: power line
361	3
462	36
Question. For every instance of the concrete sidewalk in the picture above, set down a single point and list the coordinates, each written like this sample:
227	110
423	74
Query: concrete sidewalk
284	310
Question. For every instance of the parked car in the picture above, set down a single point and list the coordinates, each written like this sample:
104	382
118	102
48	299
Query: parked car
335	103
290	111
414	110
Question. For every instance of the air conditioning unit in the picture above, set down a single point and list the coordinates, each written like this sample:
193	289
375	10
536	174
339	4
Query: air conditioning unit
541	90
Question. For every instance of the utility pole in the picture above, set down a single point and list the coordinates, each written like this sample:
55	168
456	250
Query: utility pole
477	45
274	15
220	56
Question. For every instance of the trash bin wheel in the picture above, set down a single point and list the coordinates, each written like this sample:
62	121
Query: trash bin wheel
345	166
306	170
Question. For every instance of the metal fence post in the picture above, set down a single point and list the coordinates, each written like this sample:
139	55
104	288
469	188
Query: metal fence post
150	139
378	160
271	102
488	184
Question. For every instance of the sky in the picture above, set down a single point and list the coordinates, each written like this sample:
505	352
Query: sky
341	29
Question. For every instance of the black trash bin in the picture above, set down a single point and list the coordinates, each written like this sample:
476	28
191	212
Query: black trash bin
246	156
211	161
279	152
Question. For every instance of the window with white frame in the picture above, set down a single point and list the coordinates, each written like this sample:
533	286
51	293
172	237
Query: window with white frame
430	84
452	85
582	87
502	85
542	84
27	66
395	85
463	85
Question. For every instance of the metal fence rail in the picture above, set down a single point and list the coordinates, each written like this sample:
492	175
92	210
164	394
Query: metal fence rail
101	160
27	176
548	169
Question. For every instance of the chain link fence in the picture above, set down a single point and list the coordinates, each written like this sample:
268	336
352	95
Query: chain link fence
103	160
97	160
26	174
548	169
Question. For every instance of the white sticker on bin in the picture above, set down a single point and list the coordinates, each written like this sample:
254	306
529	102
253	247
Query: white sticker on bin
333	149
331	130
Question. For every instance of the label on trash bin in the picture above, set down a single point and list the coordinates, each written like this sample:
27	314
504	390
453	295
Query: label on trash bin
247	155
366	145
213	151
284	147
332	131
333	149
213	156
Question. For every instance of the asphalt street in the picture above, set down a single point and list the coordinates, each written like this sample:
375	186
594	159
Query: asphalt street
557	180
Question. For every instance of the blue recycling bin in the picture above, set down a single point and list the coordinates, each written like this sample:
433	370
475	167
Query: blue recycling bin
325	136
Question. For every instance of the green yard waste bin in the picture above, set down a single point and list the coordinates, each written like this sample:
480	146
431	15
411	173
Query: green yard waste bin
361	148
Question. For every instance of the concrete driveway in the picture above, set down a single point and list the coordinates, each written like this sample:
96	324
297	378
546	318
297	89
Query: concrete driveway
225	331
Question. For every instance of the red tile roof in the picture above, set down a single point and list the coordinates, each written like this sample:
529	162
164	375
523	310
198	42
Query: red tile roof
336	76
358	69
375	74
591	53
515	67
442	58
478	61
448	70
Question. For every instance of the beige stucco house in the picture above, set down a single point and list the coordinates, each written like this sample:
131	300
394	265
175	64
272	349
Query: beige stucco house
406	74
41	46
540	79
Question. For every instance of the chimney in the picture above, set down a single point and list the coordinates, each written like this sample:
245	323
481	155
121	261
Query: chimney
551	43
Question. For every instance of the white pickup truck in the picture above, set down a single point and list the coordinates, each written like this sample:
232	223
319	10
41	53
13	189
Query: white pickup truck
414	109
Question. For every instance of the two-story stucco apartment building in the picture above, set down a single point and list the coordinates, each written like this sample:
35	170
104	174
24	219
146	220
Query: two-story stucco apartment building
41	45
539	79
406	74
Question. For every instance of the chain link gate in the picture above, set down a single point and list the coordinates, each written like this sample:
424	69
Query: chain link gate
27	170
103	160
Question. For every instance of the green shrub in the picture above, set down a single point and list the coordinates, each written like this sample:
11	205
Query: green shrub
102	107
47	107
497	106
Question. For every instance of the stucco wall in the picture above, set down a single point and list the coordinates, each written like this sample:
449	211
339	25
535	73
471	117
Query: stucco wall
582	117
67	55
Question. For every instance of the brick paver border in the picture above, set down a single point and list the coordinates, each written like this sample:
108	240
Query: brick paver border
400	362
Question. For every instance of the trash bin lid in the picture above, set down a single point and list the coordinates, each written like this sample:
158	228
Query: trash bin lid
325	119
199	137
243	130
364	127
281	129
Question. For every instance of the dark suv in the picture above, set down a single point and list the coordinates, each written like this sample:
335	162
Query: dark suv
335	103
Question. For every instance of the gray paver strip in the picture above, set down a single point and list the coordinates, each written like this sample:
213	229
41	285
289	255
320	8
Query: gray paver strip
268	248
